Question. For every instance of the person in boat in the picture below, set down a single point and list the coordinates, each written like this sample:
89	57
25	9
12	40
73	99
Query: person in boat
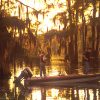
48	53
87	56
67	62
25	74
42	63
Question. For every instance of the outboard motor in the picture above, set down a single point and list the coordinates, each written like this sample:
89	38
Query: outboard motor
24	90
26	73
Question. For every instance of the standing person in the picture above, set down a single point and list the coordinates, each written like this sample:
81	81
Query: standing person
48	53
87	60
42	63
67	67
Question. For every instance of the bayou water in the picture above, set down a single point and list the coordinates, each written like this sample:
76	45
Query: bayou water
11	91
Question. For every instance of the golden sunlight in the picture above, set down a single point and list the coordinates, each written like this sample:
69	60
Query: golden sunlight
43	12
54	73
46	23
36	4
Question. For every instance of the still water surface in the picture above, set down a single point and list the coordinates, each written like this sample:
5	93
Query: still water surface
11	91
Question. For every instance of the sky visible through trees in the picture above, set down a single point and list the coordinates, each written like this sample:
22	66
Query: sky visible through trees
73	24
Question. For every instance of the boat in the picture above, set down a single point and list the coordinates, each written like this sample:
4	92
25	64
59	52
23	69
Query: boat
63	80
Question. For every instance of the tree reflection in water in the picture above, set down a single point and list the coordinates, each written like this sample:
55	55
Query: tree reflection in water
11	91
21	92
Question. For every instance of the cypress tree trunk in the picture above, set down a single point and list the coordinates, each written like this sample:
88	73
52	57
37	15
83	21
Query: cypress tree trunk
19	11
97	45
83	24
93	25
71	44
85	36
76	35
98	33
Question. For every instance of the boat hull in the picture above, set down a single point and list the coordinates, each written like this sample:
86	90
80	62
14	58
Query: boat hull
63	80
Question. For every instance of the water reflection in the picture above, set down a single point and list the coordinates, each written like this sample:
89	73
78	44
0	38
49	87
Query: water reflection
48	93
11	91
5	90
21	92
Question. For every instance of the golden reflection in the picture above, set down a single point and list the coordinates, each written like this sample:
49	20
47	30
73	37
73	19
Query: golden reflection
36	94
87	93
61	94
54	92
81	94
97	94
17	35
11	85
91	94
